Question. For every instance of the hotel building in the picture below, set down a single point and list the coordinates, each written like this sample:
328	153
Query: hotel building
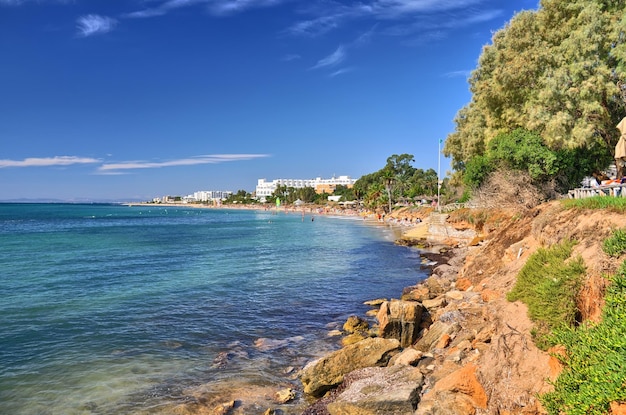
265	189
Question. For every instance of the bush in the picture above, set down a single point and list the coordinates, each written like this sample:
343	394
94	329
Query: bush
595	362
548	284
615	245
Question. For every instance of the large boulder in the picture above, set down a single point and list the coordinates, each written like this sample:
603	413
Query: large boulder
400	320
324	374
379	390
436	331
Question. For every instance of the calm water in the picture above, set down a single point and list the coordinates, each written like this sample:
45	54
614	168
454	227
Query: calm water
109	309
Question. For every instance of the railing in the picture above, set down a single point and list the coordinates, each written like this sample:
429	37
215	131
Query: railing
615	190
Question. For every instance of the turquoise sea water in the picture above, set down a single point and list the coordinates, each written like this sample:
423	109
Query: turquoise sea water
109	309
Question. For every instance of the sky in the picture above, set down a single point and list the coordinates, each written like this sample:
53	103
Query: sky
126	100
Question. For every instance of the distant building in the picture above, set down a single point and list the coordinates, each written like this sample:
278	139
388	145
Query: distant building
207	196
265	189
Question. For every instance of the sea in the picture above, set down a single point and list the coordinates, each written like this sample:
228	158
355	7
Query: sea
116	309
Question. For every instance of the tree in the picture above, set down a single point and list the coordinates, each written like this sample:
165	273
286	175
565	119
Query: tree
559	71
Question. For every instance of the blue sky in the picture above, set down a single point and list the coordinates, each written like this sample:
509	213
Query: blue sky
132	99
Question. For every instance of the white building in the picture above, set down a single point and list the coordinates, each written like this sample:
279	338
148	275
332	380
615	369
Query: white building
265	189
208	196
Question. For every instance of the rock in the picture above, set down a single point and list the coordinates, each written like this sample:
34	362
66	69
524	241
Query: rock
353	338
408	357
434	303
284	395
434	333
335	333
443	341
446	403
321	375
400	320
379	390
463	284
224	408
375	303
354	324
463	381
454	295
416	293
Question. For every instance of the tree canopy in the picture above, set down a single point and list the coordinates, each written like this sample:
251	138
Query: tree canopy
559	72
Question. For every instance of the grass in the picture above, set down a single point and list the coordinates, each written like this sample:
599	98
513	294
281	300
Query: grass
548	284
594	372
613	204
615	245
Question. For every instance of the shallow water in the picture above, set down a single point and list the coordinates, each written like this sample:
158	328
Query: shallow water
108	309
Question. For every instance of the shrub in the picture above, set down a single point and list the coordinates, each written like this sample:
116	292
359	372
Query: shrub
548	284
615	245
595	362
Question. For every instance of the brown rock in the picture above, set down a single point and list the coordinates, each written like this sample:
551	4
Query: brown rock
443	341
354	324
408	357
434	333
320	376
418	293
284	395
400	320
464	381
463	284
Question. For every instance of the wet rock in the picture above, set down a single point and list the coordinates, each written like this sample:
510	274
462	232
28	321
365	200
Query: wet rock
400	320
379	390
324	374
375	303
284	395
355	324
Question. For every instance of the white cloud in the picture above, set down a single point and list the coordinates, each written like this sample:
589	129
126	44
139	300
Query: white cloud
93	24
333	59
340	72
48	161
191	161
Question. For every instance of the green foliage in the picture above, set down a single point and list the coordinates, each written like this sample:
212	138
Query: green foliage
477	169
548	284
241	197
611	204
615	245
595	362
558	71
397	181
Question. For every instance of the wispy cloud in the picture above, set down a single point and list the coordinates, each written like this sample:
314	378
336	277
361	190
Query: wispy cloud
93	24
215	7
107	168
458	74
333	59
48	161
340	72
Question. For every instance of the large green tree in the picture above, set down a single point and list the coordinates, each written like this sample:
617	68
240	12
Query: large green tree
558	71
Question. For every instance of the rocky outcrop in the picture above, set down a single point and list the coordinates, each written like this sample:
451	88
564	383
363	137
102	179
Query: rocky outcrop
379	390
400	320
320	376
